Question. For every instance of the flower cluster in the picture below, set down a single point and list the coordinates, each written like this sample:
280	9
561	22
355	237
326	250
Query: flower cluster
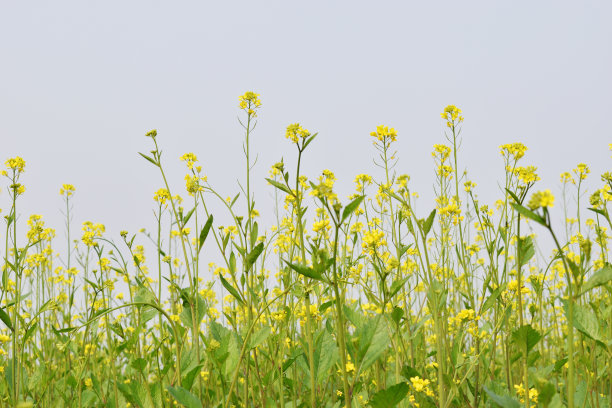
541	199
295	132
161	196
514	150
452	115
384	134
91	231
16	164
190	158
249	102
67	189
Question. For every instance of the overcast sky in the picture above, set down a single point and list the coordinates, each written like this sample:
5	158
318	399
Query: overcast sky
81	82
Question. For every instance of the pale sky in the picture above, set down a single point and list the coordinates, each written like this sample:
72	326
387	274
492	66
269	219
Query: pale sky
81	82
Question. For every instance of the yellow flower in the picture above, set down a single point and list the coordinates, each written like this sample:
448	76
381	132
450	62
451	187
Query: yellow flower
88	382
161	196
91	231
249	102
373	240
384	134
541	199
527	174
468	186
192	184
295	132
516	150
452	115
67	189
582	170
190	158
17	164
441	151
567	178
421	385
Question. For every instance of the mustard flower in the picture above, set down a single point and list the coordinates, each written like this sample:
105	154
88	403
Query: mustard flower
161	196
541	199
295	132
384	134
190	158
516	150
452	115
249	102
91	231
582	170
16	164
67	189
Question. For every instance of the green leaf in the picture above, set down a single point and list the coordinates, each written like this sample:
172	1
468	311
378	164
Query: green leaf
373	341
598	211
396	286
525	212
188	216
351	207
29	332
234	200
184	397
325	306
326	355
143	295
526	337
429	222
390	397
149	159
6	319
88	398
585	321
306	271
514	196
279	186
232	263
204	232
187	313
232	290
573	267
504	402
139	364
599	278
526	250
251	258
254	232
490	302
546	391
307	142
233	348
190	376
259	337
397	314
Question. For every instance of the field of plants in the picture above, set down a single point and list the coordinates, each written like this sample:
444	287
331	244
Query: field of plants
357	301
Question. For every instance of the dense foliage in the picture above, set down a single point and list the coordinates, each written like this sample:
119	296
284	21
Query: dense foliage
345	302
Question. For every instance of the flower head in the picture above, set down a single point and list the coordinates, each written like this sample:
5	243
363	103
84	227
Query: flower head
161	196
295	132
249	102
452	115
516	150
67	189
190	158
17	164
384	134
541	199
